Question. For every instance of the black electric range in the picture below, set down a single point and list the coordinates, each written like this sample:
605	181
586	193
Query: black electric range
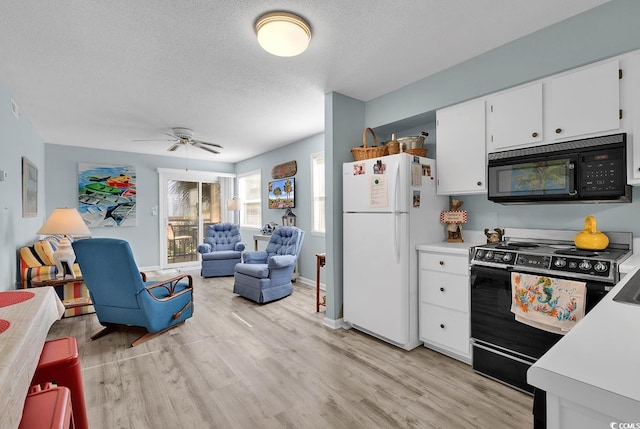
552	253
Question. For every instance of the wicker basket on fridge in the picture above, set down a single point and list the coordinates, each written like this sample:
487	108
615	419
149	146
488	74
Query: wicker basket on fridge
393	146
366	152
420	151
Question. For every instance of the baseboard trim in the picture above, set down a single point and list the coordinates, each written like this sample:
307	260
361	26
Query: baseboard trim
335	324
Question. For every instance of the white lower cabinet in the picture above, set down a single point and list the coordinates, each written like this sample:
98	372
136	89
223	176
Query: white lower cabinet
445	303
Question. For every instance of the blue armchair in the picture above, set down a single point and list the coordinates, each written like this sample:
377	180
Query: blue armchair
266	276
221	250
122	296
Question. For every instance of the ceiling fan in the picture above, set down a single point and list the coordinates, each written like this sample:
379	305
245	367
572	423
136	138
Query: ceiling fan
184	136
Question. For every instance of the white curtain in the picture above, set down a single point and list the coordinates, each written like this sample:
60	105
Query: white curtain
226	193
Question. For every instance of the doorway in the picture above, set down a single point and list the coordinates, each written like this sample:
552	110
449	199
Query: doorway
190	202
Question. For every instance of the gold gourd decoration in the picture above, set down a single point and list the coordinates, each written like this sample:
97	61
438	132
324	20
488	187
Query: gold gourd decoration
590	238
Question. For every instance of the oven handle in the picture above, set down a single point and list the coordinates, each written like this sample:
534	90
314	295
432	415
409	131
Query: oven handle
504	271
474	343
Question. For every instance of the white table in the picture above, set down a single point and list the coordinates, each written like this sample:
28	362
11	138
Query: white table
260	237
20	348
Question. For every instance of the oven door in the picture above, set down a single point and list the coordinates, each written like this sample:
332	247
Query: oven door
492	321
532	179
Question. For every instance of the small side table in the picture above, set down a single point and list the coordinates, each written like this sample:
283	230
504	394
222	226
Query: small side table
320	262
68	303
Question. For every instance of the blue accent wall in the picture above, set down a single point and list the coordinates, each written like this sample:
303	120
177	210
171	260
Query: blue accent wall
62	182
18	138
603	32
301	153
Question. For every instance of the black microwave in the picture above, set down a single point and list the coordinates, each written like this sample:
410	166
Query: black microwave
586	170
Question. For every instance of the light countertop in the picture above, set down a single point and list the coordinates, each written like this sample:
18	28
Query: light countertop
597	363
630	264
443	246
471	238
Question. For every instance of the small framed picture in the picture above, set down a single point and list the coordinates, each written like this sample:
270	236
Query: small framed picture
29	188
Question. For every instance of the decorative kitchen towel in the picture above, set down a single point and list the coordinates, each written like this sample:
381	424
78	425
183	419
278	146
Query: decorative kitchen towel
554	305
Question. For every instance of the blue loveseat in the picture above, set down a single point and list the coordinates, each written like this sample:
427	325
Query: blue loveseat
221	250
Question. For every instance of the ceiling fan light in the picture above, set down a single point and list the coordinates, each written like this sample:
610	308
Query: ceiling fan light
283	34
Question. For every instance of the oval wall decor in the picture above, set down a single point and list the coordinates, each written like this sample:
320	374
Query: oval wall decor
286	169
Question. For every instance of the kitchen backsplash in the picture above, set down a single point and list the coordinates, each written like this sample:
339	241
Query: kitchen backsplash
481	213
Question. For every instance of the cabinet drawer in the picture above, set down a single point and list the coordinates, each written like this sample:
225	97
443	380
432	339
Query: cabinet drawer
456	264
445	290
446	328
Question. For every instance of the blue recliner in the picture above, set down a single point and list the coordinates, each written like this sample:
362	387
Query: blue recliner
266	275
122	296
221	251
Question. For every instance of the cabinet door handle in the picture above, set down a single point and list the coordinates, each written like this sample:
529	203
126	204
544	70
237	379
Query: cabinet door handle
441	262
441	289
479	183
558	130
442	326
534	134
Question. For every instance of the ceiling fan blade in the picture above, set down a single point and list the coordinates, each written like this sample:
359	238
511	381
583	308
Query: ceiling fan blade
170	135
209	144
154	140
174	147
199	145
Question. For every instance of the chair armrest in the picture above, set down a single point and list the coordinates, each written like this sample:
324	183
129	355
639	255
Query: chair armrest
281	261
205	248
259	257
144	276
239	247
170	285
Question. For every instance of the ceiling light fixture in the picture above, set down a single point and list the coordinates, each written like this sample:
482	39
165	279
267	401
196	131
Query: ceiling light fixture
283	34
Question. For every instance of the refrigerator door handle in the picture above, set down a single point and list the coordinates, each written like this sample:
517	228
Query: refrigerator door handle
397	189
396	236
396	215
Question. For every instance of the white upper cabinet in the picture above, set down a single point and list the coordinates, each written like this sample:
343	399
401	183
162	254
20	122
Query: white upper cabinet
630	102
461	154
514	118
584	102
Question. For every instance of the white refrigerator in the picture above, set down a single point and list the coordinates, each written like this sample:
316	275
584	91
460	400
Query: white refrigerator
389	206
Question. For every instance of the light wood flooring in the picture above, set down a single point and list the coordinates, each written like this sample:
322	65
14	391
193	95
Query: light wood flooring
237	364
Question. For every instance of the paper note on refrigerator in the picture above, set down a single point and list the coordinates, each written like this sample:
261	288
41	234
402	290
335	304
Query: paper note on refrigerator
416	174
378	192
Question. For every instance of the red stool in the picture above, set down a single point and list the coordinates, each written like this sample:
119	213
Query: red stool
59	363
47	409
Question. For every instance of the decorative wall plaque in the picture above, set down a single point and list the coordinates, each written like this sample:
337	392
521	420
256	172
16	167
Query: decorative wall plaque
287	169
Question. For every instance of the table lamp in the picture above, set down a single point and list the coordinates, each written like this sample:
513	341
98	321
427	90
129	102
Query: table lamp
65	222
233	205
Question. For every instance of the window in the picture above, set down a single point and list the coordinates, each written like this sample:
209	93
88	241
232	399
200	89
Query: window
249	191
317	184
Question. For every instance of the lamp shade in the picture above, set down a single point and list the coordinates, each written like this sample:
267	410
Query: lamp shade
233	205
64	221
283	34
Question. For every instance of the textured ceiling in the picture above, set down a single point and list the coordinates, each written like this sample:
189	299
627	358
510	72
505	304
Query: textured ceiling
100	74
